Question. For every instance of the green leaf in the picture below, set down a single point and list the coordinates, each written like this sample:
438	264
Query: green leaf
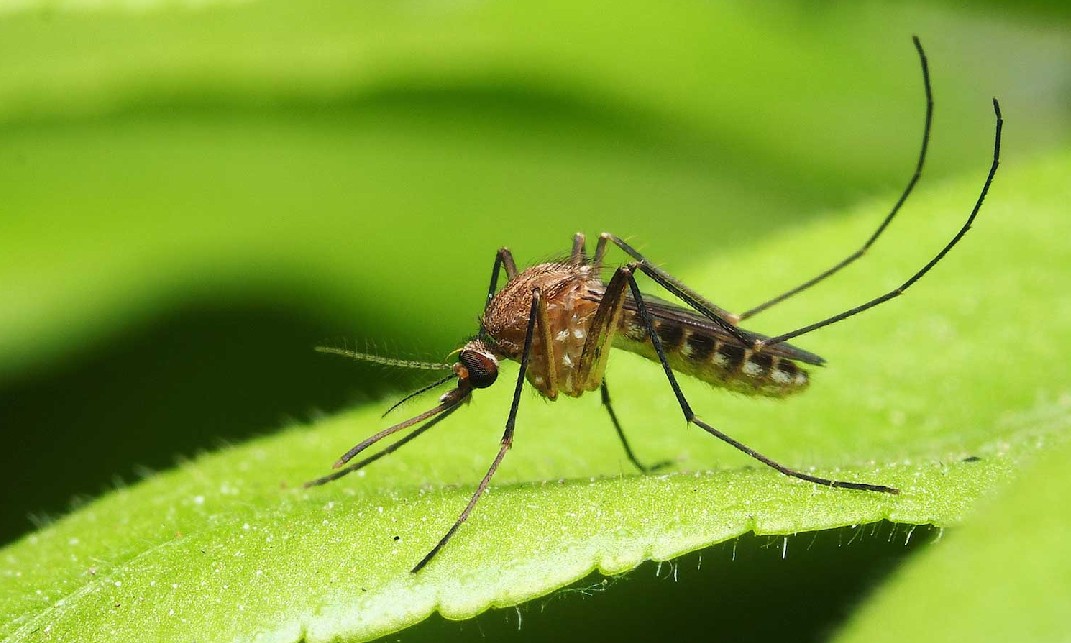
1005	576
936	393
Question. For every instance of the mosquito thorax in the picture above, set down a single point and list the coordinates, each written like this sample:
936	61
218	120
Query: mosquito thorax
476	365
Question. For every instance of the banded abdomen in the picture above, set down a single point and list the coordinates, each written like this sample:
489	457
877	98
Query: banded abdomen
695	346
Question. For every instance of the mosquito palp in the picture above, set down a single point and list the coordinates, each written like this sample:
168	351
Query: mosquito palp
389	449
559	320
420	391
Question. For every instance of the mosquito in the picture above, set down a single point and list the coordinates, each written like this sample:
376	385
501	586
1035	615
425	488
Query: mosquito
560	319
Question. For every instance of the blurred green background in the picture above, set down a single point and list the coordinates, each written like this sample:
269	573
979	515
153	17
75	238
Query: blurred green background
192	195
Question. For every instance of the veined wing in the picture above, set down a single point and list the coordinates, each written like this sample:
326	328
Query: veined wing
664	310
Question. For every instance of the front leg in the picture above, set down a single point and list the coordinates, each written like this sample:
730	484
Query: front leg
504	444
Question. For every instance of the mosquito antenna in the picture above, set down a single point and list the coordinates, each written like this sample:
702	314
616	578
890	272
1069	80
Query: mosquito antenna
928	122
421	390
918	275
385	361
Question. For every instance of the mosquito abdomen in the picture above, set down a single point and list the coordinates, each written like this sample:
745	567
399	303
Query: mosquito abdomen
713	360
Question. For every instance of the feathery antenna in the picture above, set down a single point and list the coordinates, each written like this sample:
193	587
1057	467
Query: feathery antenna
385	361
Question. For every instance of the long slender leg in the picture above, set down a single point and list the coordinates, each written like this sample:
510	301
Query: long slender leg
386	451
592	363
600	253
918	275
507	437
600	334
546	344
723	318
888	218
502	258
692	418
576	257
605	394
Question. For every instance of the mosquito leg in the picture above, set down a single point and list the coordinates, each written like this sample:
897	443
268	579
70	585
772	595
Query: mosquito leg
605	392
600	253
918	275
502	258
888	218
577	256
692	418
723	318
507	437
592	363
600	337
386	451
549	366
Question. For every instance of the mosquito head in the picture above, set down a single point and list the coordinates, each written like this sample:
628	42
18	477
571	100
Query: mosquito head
476	366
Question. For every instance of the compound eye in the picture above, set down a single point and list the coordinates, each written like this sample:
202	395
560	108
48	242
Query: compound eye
482	368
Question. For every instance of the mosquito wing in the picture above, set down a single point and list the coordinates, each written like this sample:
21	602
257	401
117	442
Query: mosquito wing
688	319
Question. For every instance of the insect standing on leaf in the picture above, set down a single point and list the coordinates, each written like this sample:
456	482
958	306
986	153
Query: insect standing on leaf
560	319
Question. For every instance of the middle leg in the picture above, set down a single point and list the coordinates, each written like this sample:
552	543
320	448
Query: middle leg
644	468
723	318
692	418
592	364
